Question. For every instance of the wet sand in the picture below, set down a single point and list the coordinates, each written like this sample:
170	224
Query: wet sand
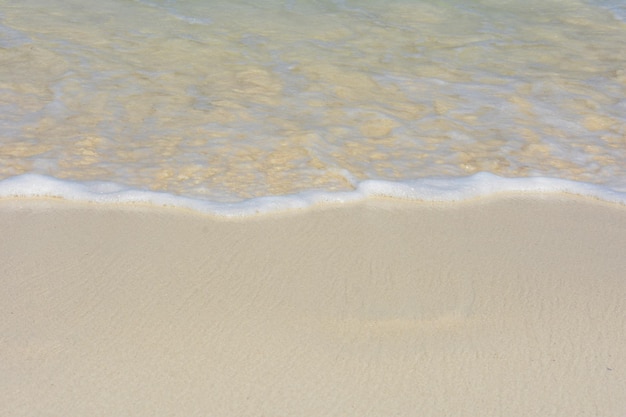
509	305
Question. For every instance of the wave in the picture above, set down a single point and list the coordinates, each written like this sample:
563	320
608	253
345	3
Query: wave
435	189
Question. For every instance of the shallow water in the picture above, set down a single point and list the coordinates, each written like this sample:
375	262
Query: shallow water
226	101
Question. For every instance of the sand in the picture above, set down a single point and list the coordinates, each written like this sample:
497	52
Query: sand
502	306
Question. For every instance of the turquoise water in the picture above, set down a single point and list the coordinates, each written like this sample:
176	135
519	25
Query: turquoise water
222	102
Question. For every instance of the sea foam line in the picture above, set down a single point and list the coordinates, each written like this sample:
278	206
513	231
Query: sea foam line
425	189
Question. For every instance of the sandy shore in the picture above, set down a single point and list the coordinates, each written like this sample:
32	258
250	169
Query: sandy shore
507	306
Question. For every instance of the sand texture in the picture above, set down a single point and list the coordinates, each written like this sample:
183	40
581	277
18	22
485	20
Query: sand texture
503	306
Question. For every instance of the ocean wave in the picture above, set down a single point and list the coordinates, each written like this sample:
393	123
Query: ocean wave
438	189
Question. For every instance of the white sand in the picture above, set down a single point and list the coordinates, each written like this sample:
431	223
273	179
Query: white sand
506	306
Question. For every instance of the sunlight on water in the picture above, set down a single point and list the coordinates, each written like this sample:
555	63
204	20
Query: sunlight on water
231	100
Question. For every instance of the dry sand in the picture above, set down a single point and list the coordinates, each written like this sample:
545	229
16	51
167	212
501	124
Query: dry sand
506	306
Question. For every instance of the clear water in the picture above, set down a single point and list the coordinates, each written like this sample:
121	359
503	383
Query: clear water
228	102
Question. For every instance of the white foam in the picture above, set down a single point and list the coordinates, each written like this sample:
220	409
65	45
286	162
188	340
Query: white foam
426	189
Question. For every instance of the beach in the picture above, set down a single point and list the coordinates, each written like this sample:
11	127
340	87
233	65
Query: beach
505	305
313	208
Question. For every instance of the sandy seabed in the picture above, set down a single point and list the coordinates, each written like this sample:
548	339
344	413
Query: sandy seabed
503	306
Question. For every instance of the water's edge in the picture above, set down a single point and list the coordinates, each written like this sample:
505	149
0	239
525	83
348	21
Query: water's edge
478	185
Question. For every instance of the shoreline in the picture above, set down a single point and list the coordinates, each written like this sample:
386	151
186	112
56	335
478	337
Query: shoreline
428	190
503	305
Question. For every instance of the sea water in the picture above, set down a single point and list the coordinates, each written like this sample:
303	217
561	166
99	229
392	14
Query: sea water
240	106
